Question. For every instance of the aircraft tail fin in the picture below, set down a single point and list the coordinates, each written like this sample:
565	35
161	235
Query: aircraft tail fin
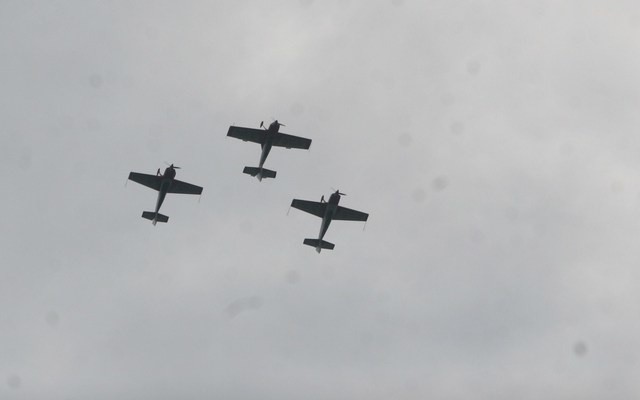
259	172
319	244
154	217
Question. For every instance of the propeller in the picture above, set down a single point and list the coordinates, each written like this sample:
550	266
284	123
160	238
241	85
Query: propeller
171	165
262	124
338	191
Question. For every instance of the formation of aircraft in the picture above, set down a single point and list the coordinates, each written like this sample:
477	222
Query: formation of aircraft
163	184
267	138
328	211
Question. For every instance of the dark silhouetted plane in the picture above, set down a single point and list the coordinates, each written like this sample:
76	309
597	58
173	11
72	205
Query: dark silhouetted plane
165	183
266	139
328	211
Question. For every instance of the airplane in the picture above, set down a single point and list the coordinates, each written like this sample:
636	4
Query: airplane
267	138
165	183
328	211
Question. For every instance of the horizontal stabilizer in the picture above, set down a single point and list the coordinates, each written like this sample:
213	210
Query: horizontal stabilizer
259	172
319	244
267	173
150	215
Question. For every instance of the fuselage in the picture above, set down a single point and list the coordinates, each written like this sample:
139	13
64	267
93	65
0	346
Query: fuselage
332	207
268	143
167	180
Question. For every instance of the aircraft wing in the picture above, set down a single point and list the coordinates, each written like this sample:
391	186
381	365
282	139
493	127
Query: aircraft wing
347	214
151	181
183	188
312	207
291	142
247	134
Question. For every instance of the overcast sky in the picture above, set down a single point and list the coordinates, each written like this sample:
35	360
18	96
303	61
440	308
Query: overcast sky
495	145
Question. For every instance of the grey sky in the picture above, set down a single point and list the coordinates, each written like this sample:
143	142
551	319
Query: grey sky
494	144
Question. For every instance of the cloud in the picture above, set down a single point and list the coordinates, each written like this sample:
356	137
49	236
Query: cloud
493	144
